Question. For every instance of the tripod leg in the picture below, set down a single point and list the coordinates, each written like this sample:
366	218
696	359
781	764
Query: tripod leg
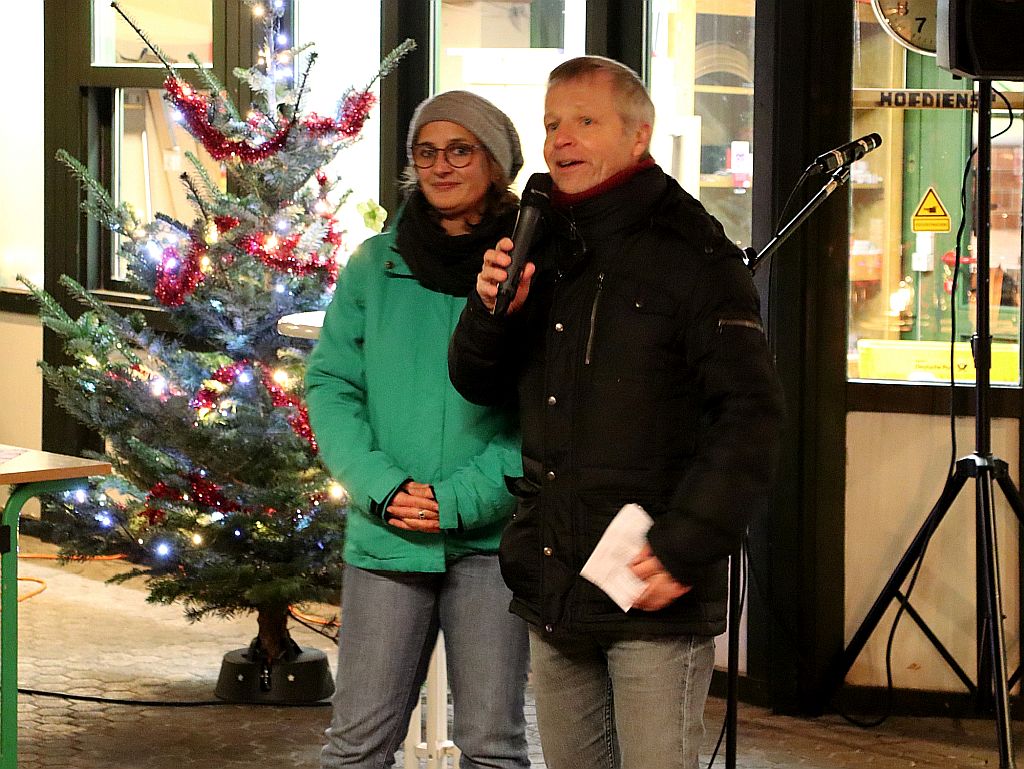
1009	490
837	672
994	620
1013	497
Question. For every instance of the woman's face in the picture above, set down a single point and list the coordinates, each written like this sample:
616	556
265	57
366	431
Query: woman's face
457	193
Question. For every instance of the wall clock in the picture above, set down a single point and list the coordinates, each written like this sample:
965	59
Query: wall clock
911	23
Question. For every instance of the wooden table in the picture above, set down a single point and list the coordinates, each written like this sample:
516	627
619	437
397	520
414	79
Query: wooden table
30	473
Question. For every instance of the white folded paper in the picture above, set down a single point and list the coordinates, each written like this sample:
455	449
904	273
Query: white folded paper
608	565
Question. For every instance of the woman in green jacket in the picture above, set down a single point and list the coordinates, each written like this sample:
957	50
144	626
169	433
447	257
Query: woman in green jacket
424	468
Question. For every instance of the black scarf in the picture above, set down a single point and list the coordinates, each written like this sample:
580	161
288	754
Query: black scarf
441	262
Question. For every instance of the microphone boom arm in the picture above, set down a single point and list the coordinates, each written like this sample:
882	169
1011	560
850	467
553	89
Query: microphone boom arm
753	258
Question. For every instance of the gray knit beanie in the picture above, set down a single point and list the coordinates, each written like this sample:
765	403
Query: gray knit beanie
474	113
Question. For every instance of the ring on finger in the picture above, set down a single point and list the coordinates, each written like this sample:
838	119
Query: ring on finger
421	514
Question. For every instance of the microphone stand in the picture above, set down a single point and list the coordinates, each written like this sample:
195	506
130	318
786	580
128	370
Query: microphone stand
753	258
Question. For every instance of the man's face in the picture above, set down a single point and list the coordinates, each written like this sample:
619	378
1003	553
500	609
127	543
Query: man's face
586	140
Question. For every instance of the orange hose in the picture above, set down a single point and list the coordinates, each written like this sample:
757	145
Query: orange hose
53	557
314	620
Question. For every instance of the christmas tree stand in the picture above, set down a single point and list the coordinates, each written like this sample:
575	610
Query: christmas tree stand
300	676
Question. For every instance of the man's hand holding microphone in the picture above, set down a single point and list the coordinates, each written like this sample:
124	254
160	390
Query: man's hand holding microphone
504	280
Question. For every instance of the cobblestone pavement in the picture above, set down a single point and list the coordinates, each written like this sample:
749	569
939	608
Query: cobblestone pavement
85	637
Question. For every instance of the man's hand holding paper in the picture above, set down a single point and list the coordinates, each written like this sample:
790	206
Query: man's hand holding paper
624	567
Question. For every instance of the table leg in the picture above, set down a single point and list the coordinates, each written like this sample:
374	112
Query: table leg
20	494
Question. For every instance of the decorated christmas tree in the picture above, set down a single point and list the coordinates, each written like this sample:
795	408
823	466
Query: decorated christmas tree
218	499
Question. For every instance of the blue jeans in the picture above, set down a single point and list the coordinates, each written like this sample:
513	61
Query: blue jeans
621	704
389	623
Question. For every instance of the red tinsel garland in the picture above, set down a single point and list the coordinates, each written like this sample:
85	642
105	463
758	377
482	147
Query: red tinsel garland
203	492
351	116
207	398
178	276
195	109
281	254
299	420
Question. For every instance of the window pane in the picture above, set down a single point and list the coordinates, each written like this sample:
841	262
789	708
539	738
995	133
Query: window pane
905	213
178	28
504	51
702	83
149	158
337	67
22	156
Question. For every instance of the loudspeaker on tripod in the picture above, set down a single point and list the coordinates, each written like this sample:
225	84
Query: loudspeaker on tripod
981	38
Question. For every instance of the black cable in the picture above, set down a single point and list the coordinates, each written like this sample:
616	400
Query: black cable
743	565
889	687
792	194
167	703
181	703
1009	109
952	310
953	454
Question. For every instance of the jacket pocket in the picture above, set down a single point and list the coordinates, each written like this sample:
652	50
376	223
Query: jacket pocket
520	554
632	327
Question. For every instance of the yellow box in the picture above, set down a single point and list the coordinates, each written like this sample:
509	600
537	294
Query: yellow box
915	361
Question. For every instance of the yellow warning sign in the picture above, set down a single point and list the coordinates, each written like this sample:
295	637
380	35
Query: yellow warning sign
931	215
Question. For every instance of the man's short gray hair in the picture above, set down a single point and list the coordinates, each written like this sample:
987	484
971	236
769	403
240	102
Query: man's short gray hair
636	105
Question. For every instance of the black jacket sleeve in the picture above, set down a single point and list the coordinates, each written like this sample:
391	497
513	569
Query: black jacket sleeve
480	359
742	405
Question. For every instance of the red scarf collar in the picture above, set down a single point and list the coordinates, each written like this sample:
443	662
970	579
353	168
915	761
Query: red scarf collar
561	199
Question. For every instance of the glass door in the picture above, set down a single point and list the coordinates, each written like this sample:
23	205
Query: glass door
504	51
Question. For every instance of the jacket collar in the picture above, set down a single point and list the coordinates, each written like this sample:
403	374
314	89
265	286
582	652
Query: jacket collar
627	204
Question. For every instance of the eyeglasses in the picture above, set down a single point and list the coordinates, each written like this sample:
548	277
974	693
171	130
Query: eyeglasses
456	154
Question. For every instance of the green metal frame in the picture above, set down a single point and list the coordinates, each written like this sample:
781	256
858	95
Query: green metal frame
20	494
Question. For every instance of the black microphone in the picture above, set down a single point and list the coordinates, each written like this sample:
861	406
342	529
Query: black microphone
841	156
536	196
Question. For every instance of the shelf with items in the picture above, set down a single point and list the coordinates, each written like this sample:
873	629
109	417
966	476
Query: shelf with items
876	183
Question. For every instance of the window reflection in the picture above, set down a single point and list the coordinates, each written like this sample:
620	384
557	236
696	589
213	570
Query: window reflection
504	51
337	67
902	303
178	28
702	84
150	156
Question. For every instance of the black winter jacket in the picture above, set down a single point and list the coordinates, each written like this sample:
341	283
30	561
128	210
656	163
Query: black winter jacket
643	375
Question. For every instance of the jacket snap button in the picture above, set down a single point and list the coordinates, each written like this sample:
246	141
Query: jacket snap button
559	327
552	400
549	628
639	304
551	475
548	551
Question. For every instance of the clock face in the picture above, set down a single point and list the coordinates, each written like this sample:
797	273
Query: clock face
911	22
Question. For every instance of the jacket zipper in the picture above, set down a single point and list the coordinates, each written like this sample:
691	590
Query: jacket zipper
593	319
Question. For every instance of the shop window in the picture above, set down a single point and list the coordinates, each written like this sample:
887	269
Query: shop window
338	67
701	63
21	157
906	209
184	26
504	51
150	154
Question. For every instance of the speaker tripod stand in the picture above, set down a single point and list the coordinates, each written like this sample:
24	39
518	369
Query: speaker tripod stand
987	471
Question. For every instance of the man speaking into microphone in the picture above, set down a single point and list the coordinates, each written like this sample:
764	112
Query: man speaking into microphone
647	396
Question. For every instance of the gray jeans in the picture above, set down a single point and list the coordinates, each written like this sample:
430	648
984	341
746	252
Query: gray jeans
621	704
389	622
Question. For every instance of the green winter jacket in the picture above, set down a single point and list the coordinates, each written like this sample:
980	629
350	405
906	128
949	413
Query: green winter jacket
384	411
